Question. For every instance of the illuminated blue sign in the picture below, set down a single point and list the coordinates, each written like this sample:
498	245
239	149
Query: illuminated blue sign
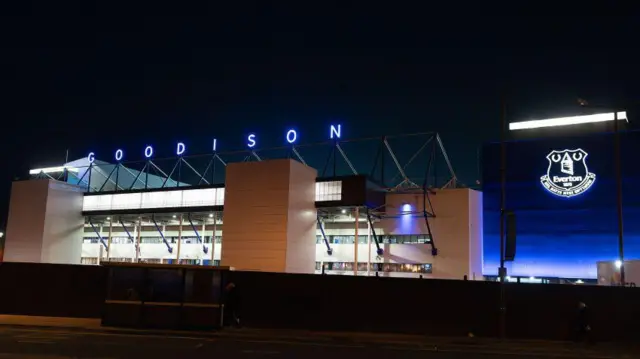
335	132
567	175
148	152
252	141
180	149
291	136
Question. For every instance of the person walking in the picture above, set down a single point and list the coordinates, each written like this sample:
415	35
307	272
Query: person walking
232	305
583	327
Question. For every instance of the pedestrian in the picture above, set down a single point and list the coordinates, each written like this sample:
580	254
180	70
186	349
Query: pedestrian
583	326
232	305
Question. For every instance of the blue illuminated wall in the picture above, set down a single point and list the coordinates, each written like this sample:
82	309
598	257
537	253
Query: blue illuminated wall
561	237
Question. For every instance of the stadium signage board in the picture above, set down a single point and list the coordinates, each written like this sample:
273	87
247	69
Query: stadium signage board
291	136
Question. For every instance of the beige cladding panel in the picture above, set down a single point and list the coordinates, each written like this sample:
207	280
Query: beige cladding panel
258	214
302	219
450	228
25	227
45	222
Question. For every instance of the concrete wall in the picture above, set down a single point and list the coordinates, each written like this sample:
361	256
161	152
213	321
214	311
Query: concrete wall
257	232
45	222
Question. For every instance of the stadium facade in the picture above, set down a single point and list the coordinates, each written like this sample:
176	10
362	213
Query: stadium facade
308	209
265	210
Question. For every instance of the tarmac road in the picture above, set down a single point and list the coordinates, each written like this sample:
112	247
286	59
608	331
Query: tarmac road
33	342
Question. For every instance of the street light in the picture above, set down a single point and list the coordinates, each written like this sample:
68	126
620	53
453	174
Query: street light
618	171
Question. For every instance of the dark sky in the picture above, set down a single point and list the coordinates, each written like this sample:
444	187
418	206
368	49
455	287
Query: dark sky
84	77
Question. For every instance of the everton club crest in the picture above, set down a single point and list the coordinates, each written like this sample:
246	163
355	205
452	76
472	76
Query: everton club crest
567	174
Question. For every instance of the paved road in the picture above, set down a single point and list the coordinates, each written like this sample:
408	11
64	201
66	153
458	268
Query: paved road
26	343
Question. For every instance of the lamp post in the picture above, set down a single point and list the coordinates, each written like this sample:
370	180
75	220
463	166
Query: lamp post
618	173
618	164
502	271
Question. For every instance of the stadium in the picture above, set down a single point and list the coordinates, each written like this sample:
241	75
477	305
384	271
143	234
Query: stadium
258	209
390	206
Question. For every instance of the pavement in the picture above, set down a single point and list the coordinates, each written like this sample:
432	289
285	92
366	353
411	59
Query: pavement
45	337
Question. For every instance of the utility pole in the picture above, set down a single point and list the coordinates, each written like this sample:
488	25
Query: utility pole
616	144
503	182
618	172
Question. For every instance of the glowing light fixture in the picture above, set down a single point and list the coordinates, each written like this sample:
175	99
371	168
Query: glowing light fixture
618	264
566	121
52	170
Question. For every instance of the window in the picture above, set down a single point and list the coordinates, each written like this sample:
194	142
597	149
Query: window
121	240
403	267
121	260
405	238
90	240
328	191
89	260
378	267
151	240
388	239
152	261
158	199
342	239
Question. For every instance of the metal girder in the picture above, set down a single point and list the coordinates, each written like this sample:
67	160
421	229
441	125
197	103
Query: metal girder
98	234
166	243
137	177
205	250
295	152
414	156
379	250
126	231
212	165
191	168
454	178
171	173
158	168
324	236
346	159
405	172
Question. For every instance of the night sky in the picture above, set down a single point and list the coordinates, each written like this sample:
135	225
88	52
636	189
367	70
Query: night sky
91	78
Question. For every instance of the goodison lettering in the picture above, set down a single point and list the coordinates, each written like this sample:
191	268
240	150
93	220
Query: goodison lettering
291	136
